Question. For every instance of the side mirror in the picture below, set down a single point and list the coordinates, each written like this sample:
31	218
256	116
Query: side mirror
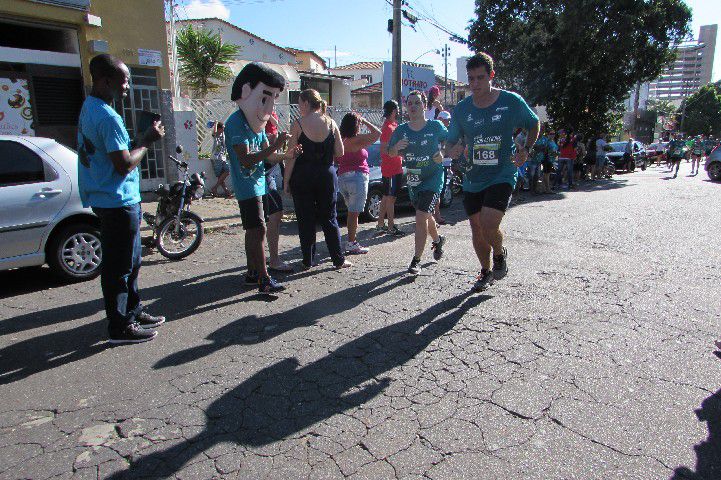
179	149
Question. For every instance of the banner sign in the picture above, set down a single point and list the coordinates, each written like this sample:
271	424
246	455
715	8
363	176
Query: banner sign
16	113
412	78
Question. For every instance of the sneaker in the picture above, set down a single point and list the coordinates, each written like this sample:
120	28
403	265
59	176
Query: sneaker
379	230
251	278
483	281
437	247
269	285
415	267
500	267
146	320
395	232
133	333
355	248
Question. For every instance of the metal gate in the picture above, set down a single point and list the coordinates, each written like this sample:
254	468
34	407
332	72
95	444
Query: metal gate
144	95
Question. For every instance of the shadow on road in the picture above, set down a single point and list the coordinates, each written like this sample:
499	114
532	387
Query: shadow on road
286	398
254	329
175	300
708	452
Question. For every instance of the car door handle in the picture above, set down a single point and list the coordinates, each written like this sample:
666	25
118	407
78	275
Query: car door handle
46	192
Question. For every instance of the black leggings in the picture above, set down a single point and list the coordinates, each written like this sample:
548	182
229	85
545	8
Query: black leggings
314	194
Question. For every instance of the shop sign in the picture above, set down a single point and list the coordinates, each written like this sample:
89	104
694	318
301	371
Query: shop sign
16	114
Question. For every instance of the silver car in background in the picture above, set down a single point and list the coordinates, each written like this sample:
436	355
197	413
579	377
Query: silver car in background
713	164
41	217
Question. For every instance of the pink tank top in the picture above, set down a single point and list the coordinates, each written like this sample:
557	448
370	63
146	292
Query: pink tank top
353	162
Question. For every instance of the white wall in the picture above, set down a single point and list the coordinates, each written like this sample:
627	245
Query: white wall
461	73
341	94
252	49
377	73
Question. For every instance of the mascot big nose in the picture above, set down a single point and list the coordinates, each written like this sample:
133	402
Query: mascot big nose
254	90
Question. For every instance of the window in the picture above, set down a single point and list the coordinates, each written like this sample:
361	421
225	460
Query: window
367	77
19	165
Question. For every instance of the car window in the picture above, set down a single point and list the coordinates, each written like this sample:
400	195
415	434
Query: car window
618	146
374	155
19	164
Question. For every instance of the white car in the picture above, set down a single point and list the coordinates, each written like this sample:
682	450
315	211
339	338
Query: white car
41	217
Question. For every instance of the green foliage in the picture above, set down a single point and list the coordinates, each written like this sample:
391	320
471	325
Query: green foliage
703	111
579	58
203	58
661	106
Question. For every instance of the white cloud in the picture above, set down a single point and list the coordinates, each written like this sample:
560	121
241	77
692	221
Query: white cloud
331	53
206	9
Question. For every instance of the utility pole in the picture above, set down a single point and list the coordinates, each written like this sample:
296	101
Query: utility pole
397	63
175	84
446	51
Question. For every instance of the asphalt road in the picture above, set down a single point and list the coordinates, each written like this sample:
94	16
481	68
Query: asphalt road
592	359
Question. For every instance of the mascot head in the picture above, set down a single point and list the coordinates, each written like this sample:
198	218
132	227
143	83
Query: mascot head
255	90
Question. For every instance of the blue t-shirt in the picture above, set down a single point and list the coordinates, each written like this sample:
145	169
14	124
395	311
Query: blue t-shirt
422	172
247	182
101	131
488	133
544	149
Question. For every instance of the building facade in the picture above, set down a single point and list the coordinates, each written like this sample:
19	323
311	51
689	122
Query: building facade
691	70
45	50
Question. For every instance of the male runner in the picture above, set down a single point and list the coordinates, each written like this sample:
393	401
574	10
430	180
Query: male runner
485	122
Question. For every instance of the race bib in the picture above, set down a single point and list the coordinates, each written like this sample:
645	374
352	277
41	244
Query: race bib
414	177
486	154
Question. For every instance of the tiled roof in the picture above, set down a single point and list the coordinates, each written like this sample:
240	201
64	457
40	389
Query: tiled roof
193	20
372	88
374	65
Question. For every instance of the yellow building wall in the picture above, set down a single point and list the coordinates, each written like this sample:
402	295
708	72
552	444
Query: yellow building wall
127	25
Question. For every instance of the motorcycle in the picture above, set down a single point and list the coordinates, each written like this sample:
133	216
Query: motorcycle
177	232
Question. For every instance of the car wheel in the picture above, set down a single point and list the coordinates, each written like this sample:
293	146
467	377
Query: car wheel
74	253
373	205
714	171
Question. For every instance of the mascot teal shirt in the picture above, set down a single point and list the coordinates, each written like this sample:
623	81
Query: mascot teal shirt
247	182
488	133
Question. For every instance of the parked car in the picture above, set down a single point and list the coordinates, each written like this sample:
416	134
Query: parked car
616	156
42	219
375	188
656	152
713	164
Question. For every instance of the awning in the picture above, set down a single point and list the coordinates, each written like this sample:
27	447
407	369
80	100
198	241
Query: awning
289	73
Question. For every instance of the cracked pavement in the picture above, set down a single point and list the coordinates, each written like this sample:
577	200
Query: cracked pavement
592	359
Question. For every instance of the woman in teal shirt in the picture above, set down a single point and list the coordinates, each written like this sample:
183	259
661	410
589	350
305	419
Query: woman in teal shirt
418	142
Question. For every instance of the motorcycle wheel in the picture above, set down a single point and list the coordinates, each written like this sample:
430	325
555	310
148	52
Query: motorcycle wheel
186	241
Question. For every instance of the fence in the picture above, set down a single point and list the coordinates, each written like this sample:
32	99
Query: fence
218	110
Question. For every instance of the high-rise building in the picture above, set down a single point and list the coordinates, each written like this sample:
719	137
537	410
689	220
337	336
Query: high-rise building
691	70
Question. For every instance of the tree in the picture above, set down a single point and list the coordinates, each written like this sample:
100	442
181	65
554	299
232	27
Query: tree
703	111
662	107
203	58
579	58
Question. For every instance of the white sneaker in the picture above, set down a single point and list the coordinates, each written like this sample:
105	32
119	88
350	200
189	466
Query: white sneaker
354	248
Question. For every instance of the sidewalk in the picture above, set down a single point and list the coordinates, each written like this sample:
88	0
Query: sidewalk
217	213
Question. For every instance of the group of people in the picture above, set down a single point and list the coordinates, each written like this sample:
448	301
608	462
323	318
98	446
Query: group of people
320	159
694	149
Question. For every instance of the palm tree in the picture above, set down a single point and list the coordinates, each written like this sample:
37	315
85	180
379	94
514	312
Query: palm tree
204	57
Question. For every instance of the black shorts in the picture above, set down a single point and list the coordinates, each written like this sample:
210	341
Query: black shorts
272	202
497	196
252	213
391	185
424	200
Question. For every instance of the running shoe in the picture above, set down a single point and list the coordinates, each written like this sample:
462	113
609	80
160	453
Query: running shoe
133	333
437	247
269	285
251	278
146	320
415	267
483	281
395	232
500	267
380	230
355	248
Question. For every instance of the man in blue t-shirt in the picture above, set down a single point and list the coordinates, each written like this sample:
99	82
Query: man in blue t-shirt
109	182
485	123
255	90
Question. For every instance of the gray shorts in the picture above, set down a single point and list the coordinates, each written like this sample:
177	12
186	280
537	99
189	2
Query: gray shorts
424	200
354	188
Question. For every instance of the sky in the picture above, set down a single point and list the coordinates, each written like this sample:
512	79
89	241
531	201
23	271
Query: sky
356	29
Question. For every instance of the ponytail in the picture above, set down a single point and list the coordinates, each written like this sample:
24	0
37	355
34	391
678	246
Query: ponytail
314	99
323	107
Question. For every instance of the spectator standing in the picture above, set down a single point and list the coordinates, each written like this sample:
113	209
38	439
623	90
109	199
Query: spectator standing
392	172
220	160
567	159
